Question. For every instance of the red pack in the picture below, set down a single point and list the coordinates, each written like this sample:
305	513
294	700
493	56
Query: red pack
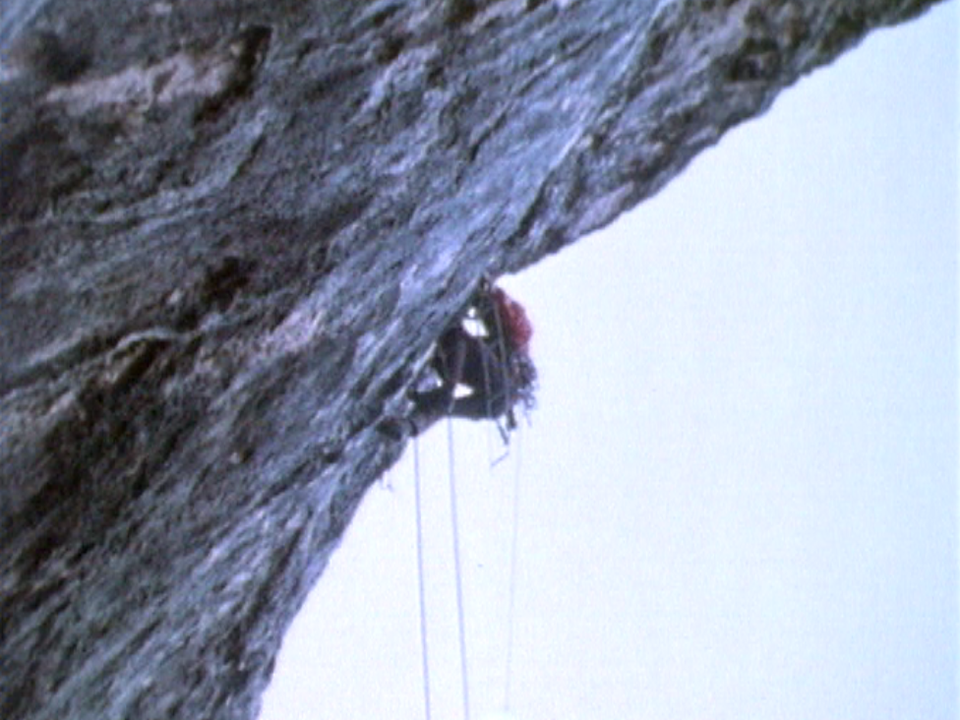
516	325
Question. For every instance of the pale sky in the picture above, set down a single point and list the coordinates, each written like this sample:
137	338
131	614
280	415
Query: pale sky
738	494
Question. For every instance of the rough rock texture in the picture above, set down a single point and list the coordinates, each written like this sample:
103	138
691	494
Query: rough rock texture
229	233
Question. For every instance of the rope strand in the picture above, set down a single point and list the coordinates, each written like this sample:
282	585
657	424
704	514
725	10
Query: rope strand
512	589
461	626
421	591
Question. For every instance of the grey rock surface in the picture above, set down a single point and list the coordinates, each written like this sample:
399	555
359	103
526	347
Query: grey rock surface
230	232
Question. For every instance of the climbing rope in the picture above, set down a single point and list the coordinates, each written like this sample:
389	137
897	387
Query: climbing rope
422	595
495	330
512	582
461	624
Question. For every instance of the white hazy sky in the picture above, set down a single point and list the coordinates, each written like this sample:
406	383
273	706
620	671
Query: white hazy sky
738	495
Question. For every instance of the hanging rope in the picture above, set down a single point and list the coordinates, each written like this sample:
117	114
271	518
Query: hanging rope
503	338
520	327
504	354
461	626
421	591
512	589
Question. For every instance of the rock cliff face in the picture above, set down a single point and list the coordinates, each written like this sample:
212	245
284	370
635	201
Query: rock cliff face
230	232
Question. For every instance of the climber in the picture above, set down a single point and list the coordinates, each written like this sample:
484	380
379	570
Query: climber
494	365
